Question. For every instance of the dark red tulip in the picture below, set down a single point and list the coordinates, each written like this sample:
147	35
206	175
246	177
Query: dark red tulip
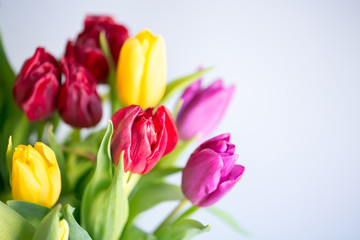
36	87
143	135
86	48
79	104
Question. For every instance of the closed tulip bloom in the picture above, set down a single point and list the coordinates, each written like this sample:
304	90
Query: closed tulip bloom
63	230
79	104
211	171
86	48
35	175
143	135
202	109
37	85
141	70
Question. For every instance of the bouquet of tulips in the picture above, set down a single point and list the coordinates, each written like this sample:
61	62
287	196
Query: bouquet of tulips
95	184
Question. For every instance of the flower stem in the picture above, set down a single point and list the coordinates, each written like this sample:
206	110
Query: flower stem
131	183
169	218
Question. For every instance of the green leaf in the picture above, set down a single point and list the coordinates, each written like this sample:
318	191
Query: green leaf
182	229
136	233
9	112
182	83
227	218
9	155
114	210
75	231
13	226
170	159
188	213
49	227
98	185
149	195
32	212
89	145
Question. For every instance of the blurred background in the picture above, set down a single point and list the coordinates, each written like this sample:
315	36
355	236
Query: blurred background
295	115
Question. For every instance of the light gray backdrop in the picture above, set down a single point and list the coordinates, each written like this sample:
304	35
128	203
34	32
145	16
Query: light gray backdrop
294	118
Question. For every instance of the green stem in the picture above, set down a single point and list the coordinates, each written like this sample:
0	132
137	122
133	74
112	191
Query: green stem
171	216
131	183
170	159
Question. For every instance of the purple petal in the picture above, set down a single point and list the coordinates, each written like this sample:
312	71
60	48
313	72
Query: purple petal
224	187
203	114
189	93
201	175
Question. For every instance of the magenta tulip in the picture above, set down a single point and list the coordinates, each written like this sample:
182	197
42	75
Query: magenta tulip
79	104
143	135
202	109
211	171
86	48
37	85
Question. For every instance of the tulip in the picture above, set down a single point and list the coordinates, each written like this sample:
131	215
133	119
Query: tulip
141	70
63	230
79	104
86	48
35	175
211	171
37	85
145	137
202	109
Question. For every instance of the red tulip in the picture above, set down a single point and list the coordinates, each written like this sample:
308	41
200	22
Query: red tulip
37	85
143	135
79	104
86	49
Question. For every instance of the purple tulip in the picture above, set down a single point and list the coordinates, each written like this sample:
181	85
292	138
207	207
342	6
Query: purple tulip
211	171
202	109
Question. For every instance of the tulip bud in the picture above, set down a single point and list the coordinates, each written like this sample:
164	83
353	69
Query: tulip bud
86	49
36	87
211	171
35	175
63	230
202	109
145	137
79	104
141	71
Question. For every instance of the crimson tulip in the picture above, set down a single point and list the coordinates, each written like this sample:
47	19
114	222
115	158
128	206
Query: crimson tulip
143	135
86	48
79	104
36	86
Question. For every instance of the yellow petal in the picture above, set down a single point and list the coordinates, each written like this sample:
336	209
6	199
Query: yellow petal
153	82
47	153
24	184
63	230
129	71
53	173
38	165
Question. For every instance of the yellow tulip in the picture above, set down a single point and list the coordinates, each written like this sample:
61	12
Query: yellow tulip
35	175
63	230
141	70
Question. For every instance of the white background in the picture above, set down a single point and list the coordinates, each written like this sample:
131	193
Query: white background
294	118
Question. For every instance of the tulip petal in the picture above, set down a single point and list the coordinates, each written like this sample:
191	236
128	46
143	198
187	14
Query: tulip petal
170	127
153	82
25	186
189	93
201	175
204	107
223	187
129	71
123	120
53	173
